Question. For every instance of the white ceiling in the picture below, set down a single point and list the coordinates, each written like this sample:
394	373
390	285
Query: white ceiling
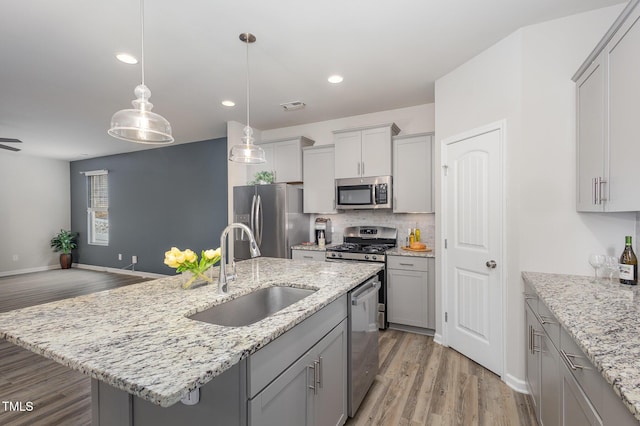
60	82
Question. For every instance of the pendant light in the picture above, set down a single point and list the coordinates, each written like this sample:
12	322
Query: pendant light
139	124
247	152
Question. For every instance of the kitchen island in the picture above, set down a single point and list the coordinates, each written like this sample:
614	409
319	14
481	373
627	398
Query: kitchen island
139	340
602	319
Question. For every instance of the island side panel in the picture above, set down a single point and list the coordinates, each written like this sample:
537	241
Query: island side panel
222	402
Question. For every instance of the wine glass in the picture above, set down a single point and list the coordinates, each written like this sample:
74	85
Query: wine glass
596	261
611	266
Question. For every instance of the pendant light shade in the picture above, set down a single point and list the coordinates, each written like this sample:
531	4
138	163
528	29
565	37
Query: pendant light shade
247	152
139	124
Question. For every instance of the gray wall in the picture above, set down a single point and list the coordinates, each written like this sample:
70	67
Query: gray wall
158	198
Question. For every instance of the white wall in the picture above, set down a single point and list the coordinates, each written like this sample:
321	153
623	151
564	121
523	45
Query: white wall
35	203
526	80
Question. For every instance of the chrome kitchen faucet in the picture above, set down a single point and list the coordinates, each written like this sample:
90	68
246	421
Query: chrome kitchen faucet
224	278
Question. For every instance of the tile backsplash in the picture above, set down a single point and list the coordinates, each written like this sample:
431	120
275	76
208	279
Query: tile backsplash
401	221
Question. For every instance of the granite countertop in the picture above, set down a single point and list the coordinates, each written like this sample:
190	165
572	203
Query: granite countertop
397	251
603	319
312	247
137	338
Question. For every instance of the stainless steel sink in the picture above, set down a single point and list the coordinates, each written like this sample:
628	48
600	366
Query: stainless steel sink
252	307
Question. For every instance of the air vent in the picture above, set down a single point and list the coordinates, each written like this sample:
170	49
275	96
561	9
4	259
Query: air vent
292	106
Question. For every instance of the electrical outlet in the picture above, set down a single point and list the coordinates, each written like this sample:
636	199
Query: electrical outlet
119	256
134	259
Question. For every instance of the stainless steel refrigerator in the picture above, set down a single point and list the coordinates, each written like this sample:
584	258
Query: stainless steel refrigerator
274	214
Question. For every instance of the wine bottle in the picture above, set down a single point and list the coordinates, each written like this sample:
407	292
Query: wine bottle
628	264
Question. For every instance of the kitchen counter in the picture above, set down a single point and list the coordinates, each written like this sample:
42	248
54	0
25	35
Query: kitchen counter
138	338
603	319
397	251
312	247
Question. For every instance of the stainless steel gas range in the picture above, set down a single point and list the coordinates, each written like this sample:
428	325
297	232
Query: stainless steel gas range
367	244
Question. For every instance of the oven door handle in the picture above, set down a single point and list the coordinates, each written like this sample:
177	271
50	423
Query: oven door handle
365	292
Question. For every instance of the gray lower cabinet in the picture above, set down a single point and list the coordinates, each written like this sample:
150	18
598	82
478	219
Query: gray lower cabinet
565	386
411	292
312	391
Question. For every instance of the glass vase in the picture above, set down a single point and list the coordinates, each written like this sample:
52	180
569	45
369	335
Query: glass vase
193	280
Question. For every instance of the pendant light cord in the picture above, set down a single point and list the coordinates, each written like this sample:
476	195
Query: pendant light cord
142	37
248	89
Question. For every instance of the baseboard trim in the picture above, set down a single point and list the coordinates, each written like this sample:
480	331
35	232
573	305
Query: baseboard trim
29	270
411	329
437	337
119	271
515	383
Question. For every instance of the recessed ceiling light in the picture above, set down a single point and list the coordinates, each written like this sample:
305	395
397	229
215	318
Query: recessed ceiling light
126	58
228	103
335	79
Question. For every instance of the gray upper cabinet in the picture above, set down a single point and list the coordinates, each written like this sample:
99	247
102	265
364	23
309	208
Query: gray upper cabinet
413	173
364	152
606	107
284	159
319	181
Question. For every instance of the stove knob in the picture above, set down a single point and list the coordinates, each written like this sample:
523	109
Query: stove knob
366	256
333	255
339	254
374	257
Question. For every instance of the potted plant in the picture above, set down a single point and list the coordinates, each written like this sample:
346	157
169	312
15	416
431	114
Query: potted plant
64	241
262	178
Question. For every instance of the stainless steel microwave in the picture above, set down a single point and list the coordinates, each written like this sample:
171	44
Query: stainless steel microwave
363	193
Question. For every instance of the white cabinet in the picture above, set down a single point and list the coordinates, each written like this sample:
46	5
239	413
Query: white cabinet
284	159
364	152
606	106
411	292
413	173
302	254
312	391
319	179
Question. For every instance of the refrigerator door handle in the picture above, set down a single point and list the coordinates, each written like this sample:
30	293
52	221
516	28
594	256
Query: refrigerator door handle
252	219
259	221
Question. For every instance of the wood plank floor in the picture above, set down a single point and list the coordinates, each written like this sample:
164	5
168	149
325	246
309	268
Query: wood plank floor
423	383
419	382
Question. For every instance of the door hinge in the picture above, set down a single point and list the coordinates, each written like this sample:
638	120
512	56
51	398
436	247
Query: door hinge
446	316
445	169
445	243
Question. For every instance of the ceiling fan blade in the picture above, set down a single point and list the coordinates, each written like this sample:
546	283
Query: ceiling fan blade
10	140
10	148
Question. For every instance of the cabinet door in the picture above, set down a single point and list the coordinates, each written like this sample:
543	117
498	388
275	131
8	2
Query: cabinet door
288	161
532	359
413	174
376	152
407	297
624	92
331	399
576	408
288	400
590	136
347	154
550	396
319	181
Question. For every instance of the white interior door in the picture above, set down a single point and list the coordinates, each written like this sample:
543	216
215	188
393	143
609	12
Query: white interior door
473	200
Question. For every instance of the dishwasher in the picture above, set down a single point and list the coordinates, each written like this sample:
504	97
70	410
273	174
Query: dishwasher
363	341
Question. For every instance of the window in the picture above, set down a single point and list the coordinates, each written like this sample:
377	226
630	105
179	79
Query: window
98	207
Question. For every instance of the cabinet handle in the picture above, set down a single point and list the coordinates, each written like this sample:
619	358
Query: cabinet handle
406	264
307	257
535	334
320	372
594	191
567	357
531	339
358	168
363	168
530	296
315	389
546	320
599	182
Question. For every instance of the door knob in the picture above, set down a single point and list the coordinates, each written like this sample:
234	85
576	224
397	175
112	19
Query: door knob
491	264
